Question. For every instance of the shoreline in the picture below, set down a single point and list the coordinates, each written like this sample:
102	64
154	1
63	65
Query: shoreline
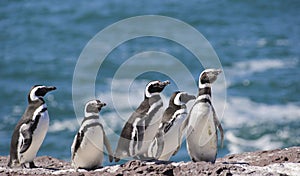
273	162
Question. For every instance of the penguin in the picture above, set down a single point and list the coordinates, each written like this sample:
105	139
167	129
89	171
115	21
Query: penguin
31	129
168	138
202	122
140	128
88	144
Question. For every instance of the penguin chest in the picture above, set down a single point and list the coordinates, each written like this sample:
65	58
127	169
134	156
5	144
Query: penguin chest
90	151
42	128
38	135
202	134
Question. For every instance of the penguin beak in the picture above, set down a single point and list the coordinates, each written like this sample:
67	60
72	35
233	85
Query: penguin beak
213	74
50	88
217	72
165	83
100	105
41	92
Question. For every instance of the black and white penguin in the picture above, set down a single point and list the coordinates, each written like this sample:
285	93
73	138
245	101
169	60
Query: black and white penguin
88	145
168	138
202	121
140	128
31	129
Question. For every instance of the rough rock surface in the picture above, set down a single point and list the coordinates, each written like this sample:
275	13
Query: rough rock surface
272	162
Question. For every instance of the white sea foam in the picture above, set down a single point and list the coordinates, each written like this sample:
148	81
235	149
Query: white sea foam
244	111
248	67
236	144
260	65
60	125
261	42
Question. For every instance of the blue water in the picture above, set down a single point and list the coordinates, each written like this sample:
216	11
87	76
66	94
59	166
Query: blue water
257	42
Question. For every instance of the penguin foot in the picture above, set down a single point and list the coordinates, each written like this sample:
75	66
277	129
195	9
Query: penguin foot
10	165
14	164
111	158
29	165
88	169
117	159
32	165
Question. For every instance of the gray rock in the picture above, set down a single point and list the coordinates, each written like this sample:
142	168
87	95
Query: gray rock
272	162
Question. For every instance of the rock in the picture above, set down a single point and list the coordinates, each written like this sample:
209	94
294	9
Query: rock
263	158
272	162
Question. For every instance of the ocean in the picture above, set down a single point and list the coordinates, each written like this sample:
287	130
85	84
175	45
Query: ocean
256	43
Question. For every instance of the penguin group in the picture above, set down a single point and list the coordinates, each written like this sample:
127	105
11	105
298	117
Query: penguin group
150	133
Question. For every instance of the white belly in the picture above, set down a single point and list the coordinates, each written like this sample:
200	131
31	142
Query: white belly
90	153
202	134
38	137
171	139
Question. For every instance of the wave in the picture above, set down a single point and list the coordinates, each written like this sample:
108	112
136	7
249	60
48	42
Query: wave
238	145
61	125
238	111
241	111
260	43
249	67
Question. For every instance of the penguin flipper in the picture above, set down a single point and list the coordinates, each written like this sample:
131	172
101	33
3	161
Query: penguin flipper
160	143
141	128
76	143
218	124
27	136
108	147
73	146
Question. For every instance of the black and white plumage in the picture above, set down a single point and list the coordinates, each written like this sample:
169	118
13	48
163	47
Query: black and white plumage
202	122
88	145
140	128
168	138
31	129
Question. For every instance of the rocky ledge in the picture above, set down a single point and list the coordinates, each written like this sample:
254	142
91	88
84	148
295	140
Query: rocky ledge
272	162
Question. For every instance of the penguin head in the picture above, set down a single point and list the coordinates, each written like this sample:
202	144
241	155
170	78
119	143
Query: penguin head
39	91
209	76
155	87
180	98
93	106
